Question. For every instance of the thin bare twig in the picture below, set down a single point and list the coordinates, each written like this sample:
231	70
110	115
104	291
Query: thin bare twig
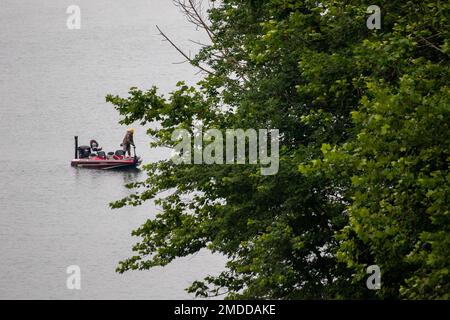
181	62
199	43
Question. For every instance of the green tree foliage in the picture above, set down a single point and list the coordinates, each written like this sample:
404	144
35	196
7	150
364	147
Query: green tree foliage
364	150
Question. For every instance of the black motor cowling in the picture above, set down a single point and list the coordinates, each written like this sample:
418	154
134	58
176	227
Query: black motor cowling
84	152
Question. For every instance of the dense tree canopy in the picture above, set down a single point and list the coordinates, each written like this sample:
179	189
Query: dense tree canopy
363	180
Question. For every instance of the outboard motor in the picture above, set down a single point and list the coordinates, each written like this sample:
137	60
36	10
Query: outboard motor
84	152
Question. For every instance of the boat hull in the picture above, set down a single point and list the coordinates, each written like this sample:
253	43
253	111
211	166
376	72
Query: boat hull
106	164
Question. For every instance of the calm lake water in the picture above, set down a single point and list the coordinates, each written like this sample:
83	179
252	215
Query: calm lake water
53	83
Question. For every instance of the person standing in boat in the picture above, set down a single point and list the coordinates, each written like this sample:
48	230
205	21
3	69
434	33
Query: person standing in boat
128	141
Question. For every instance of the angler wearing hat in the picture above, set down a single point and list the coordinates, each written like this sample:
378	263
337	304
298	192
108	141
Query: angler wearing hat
128	141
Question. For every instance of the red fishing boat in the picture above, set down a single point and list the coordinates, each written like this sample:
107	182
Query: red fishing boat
93	157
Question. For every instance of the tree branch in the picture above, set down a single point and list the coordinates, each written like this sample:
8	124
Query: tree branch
192	9
430	44
194	15
183	53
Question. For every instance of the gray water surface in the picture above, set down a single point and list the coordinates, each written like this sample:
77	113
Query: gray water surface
53	83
